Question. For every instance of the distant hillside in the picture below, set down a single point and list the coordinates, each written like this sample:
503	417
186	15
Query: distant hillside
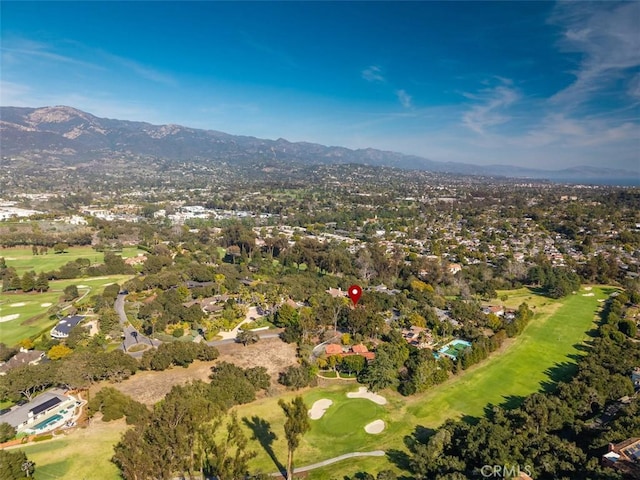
67	135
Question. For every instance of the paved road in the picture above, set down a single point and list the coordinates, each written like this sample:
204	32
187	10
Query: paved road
261	334
131	335
324	463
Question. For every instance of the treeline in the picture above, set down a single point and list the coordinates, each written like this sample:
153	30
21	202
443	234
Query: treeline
556	282
189	432
41	239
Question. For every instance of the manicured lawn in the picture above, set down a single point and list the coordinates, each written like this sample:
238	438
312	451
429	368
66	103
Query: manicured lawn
22	259
544	353
85	453
32	307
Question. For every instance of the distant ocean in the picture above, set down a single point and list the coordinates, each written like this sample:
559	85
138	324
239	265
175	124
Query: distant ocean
621	182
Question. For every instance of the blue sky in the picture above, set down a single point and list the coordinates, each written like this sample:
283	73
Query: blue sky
541	84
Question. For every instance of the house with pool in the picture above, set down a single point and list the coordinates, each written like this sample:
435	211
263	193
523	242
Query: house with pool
45	413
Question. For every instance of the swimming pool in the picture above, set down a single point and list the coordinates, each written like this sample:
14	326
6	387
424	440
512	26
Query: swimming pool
45	423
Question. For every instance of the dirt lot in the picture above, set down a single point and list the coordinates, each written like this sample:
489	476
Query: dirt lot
150	387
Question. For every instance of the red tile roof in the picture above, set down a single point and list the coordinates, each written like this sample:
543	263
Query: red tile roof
333	349
359	349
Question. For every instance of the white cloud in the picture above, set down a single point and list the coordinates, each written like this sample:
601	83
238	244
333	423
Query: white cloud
490	107
20	49
141	70
606	35
373	73
404	98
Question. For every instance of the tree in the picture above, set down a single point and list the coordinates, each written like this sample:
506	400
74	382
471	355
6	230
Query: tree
246	337
60	247
71	292
381	372
296	425
7	432
59	351
42	282
15	465
227	458
28	281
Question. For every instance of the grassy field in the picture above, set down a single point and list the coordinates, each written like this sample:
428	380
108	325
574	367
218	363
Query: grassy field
544	353
31	308
87	453
23	260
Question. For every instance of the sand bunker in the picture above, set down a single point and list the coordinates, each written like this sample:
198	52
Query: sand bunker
83	286
374	427
19	304
587	294
587	288
8	318
319	407
364	393
46	304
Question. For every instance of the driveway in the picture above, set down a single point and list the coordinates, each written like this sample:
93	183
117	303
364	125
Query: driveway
131	335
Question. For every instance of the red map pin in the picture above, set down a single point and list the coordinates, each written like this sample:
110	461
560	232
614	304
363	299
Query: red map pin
355	292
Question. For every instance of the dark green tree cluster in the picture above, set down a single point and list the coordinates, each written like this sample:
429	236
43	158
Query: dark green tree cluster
236	385
168	309
7	432
179	354
617	320
297	376
114	404
556	282
14	465
29	281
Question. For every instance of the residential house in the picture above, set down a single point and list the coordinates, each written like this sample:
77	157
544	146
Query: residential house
419	337
137	260
339	350
20	359
64	326
25	417
454	268
495	309
336	292
624	457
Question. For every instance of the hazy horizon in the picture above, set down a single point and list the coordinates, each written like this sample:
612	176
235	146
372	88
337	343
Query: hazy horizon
540	85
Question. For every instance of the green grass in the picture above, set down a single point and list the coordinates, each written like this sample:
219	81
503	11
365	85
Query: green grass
543	354
84	454
22	259
32	307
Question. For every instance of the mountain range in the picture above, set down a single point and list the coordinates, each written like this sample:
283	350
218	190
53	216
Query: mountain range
65	134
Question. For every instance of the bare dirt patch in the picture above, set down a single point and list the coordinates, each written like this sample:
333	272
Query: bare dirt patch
319	407
151	387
